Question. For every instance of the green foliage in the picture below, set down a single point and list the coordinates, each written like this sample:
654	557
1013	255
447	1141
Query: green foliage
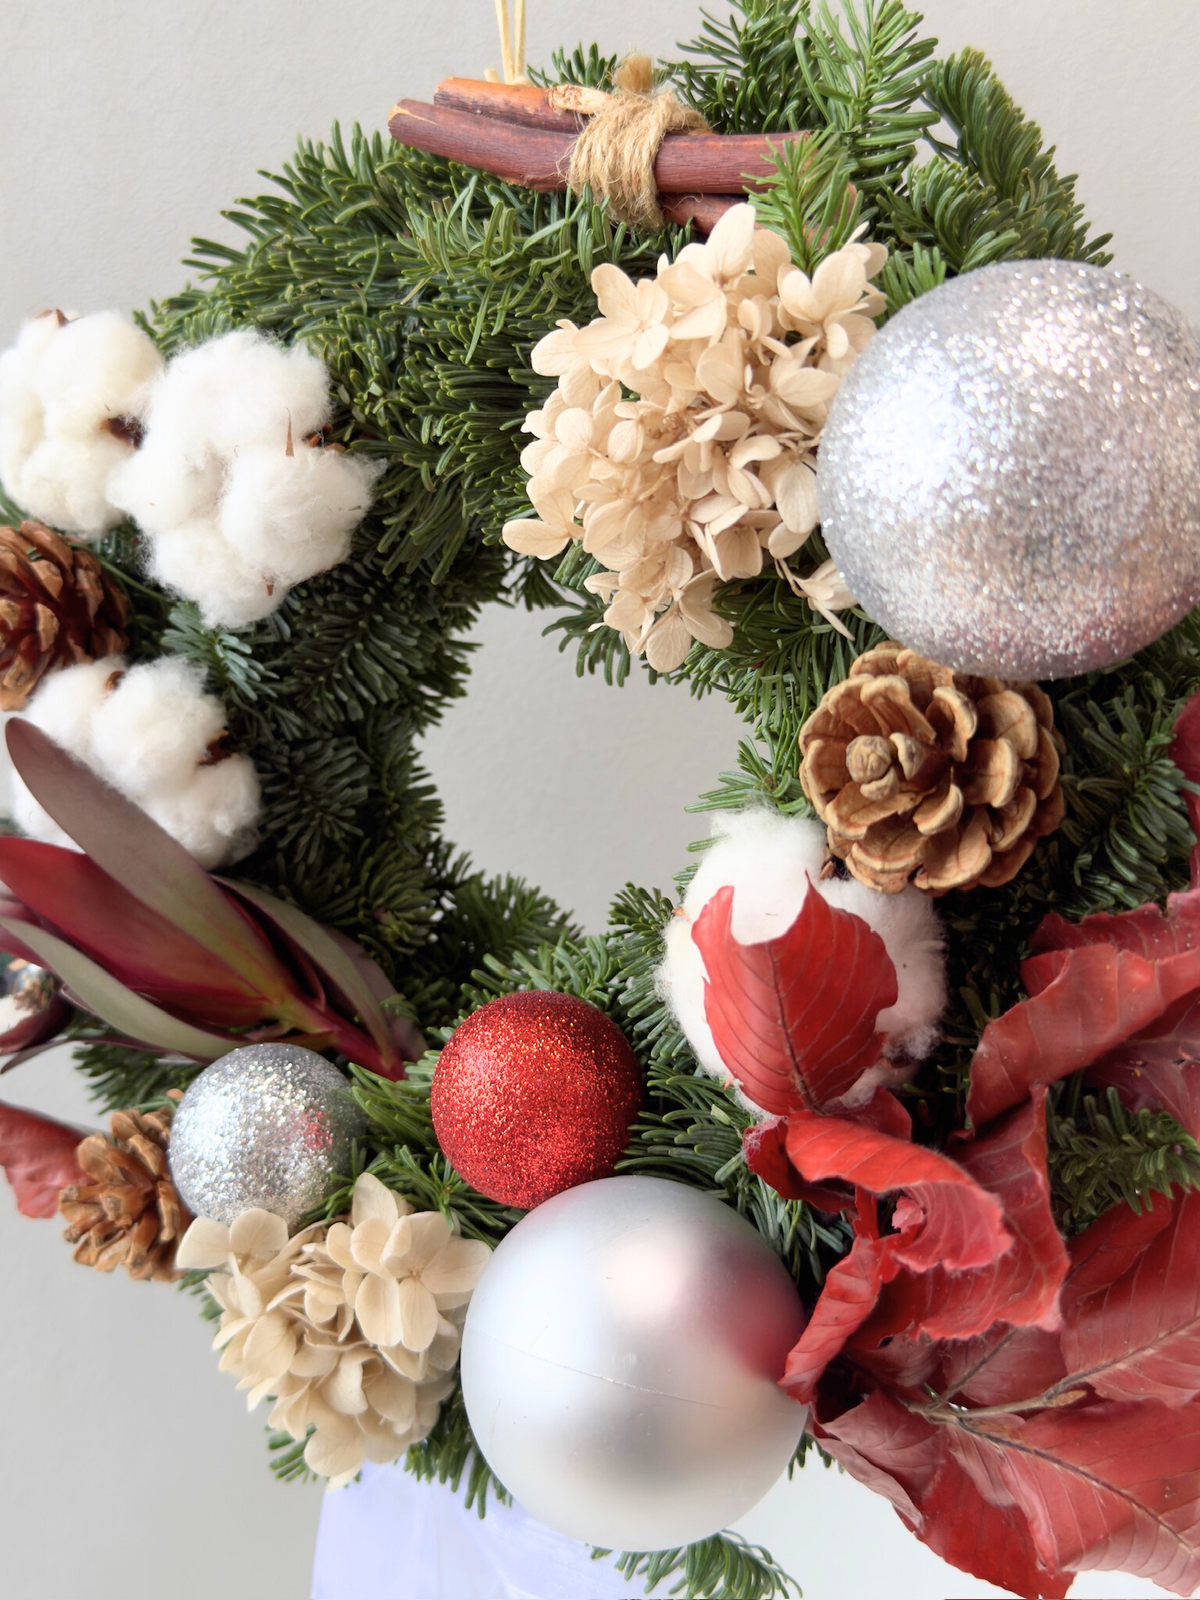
286	1457
1102	1155
724	1567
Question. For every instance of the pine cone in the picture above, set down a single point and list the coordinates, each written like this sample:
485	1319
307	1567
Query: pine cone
130	1215
57	608
926	775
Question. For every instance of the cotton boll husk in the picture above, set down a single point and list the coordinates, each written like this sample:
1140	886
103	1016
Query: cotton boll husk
215	818
64	707
151	733
292	516
238	390
771	860
161	486
194	561
96	367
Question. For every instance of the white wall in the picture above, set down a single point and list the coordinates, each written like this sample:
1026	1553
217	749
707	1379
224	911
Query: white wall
127	1465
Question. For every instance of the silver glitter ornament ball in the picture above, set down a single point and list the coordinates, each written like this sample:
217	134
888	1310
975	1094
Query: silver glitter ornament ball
619	1364
269	1125
1010	476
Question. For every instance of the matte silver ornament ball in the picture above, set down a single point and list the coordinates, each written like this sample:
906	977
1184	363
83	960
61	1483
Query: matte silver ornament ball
268	1125
620	1362
1010	476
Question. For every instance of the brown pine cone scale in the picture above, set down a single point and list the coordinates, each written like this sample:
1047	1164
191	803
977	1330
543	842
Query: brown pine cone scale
57	608
929	776
130	1214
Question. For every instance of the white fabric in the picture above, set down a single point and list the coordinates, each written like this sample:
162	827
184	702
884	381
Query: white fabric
390	1537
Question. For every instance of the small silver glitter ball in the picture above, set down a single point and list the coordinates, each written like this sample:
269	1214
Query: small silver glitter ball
1010	476
620	1362
269	1125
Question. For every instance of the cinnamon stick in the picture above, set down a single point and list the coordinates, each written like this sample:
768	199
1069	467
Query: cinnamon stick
537	156
522	103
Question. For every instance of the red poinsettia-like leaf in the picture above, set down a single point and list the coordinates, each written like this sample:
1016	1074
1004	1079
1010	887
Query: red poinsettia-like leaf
1019	1286
793	1018
1085	1003
945	1217
38	1156
1139	1337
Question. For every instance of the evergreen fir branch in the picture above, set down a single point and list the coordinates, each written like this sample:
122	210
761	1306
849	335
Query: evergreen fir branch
583	66
741	74
723	1567
1102	1155
286	1458
120	1077
450	1455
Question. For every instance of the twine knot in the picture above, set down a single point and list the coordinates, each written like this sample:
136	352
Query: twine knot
615	154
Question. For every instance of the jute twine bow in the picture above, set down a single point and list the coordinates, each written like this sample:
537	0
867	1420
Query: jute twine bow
615	154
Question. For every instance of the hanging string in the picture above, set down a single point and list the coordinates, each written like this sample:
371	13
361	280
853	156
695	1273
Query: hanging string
512	44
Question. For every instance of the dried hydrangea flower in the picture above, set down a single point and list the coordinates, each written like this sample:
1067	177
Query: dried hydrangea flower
353	1328
733	356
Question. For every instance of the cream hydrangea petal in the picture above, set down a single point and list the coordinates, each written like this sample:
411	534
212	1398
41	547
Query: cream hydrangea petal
731	243
270	1346
373	1199
555	354
337	1245
258	1234
392	1396
377	1306
409	1364
455	1269
369	1241
314	1360
427	1232
343	1388
668	642
614	291
418	1315
532	538
205	1244
382	1442
796	500
336	1452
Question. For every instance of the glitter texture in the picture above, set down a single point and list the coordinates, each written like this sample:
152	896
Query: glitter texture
269	1125
533	1094
1010	475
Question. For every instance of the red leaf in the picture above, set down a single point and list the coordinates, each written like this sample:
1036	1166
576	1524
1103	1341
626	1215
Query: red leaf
38	1155
1146	931
990	1541
886	1446
793	1018
949	1221
1139	1337
1105	1485
1003	1366
1019	1286
1094	998
1111	1245
851	1289
764	1145
1185	753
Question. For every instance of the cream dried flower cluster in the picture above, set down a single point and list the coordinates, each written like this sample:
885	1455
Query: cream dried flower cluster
353	1328
733	356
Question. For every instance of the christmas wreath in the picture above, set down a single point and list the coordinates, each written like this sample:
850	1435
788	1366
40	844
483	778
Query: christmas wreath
791	370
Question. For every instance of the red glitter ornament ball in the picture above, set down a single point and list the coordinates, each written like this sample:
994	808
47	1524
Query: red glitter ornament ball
533	1094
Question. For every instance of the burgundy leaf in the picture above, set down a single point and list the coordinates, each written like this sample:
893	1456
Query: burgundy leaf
969	1530
887	1446
144	951
947	1220
1107	1249
38	1155
1139	1338
793	1018
125	843
764	1145
1146	931
1085	1002
1159	1068
1002	1367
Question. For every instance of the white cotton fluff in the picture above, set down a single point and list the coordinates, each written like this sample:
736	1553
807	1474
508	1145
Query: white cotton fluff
770	861
150	735
60	384
233	519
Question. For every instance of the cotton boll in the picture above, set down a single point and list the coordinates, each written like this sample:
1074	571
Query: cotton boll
64	707
292	516
65	482
238	390
194	561
97	367
160	487
155	728
771	860
214	819
61	385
